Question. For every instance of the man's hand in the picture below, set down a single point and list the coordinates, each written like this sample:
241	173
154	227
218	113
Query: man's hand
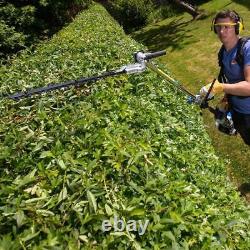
217	88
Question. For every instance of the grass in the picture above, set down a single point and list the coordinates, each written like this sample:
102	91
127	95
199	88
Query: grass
192	59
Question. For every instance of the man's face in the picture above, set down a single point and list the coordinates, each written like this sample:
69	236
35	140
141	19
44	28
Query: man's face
225	28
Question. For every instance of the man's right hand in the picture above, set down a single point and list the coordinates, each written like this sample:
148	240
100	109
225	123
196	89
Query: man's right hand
217	88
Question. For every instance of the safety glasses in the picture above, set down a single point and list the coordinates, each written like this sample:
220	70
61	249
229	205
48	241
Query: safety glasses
225	26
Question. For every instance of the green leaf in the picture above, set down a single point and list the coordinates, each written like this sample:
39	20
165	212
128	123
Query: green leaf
26	179
46	154
138	212
92	201
61	164
176	217
63	194
108	210
170	235
20	218
30	236
83	238
44	212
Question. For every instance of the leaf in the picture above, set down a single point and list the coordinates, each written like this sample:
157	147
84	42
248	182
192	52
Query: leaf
119	234
30	236
137	211
170	235
35	200
46	154
108	210
61	164
63	194
26	179
92	200
20	218
83	238
176	217
44	212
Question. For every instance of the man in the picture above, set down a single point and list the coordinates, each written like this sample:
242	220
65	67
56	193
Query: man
236	84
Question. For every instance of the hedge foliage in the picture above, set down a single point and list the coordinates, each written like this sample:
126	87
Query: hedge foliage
127	146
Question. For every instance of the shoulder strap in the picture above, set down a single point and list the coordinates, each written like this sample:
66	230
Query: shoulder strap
240	54
221	76
220	55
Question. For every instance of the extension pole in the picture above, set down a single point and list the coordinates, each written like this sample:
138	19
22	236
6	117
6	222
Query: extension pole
169	78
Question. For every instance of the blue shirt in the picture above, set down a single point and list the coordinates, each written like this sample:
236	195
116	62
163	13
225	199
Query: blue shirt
234	74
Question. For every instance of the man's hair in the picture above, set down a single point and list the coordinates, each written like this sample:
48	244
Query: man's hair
233	15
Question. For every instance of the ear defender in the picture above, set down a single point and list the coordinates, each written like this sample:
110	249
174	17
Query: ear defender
213	27
239	23
239	27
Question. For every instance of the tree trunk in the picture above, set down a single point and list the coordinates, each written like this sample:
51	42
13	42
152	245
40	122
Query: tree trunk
188	8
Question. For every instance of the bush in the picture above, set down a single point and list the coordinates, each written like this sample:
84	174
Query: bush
162	10
24	23
10	40
15	28
131	14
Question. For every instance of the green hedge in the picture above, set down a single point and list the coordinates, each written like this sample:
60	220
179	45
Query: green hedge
127	146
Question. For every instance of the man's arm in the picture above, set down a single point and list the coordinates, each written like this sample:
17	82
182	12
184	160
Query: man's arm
241	88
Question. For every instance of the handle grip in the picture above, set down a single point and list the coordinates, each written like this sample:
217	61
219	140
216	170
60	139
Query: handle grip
141	57
154	54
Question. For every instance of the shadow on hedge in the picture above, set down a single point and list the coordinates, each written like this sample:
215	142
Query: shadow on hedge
244	190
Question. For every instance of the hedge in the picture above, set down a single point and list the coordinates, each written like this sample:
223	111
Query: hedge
126	148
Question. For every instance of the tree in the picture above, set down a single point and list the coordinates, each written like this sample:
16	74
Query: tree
192	10
23	23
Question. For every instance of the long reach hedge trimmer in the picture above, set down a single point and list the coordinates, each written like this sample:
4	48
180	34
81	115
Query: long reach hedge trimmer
142	61
138	67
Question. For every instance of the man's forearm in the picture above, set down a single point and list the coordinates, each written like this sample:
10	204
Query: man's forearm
240	89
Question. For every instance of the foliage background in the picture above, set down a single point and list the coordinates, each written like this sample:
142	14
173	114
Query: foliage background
23	23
